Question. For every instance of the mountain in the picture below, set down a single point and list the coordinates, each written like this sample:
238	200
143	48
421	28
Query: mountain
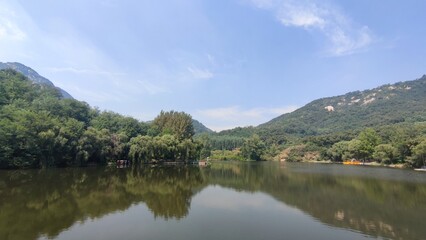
33	76
402	102
200	128
384	105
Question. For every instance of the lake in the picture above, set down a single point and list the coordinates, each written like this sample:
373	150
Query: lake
226	200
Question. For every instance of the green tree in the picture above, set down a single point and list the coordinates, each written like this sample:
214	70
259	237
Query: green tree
166	147
178	124
141	149
369	139
67	142
385	153
95	146
419	154
253	148
354	149
117	123
188	150
206	146
339	151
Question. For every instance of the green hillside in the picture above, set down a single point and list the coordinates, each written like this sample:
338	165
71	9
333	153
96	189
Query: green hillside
399	103
39	128
385	124
388	104
33	76
200	128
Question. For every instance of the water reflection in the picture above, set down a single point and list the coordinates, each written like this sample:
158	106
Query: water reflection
33	203
370	203
46	202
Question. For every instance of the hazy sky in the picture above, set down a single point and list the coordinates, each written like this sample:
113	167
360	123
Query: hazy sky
226	62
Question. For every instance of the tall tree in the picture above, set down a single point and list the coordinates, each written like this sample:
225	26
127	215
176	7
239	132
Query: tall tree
253	148
178	124
369	139
419	154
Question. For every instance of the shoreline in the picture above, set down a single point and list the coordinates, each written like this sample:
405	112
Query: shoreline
373	164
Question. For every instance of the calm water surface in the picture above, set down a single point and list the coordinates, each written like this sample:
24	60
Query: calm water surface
223	201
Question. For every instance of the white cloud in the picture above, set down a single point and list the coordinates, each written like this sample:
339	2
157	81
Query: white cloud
301	15
83	71
198	73
151	88
9	27
211	59
344	44
10	31
344	38
229	117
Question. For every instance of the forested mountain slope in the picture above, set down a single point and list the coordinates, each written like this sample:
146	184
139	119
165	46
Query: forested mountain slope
32	75
387	104
200	128
40	128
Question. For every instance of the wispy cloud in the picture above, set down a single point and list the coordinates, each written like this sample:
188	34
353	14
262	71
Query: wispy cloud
344	37
229	117
83	71
9	28
198	73
95	97
10	31
151	88
307	16
211	59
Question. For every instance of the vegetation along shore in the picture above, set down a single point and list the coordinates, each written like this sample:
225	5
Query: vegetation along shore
41	127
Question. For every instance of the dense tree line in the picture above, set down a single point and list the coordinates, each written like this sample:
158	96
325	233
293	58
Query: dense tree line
392	144
389	145
402	143
38	128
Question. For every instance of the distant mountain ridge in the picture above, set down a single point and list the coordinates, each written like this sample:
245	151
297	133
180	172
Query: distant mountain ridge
200	128
384	105
37	78
402	102
32	75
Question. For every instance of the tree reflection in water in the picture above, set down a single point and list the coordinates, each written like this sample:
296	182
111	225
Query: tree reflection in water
46	202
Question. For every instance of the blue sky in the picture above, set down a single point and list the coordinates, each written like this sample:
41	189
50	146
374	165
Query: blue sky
226	62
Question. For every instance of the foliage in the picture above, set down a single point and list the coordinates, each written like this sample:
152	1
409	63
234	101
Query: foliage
206	145
253	148
38	128
222	142
339	151
117	123
226	155
419	154
387	145
302	152
146	149
368	140
178	124
199	128
385	153
388	104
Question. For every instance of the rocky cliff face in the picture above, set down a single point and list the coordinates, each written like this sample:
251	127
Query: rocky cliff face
32	75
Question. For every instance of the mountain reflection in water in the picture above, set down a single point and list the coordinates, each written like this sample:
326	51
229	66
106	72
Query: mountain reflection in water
369	201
